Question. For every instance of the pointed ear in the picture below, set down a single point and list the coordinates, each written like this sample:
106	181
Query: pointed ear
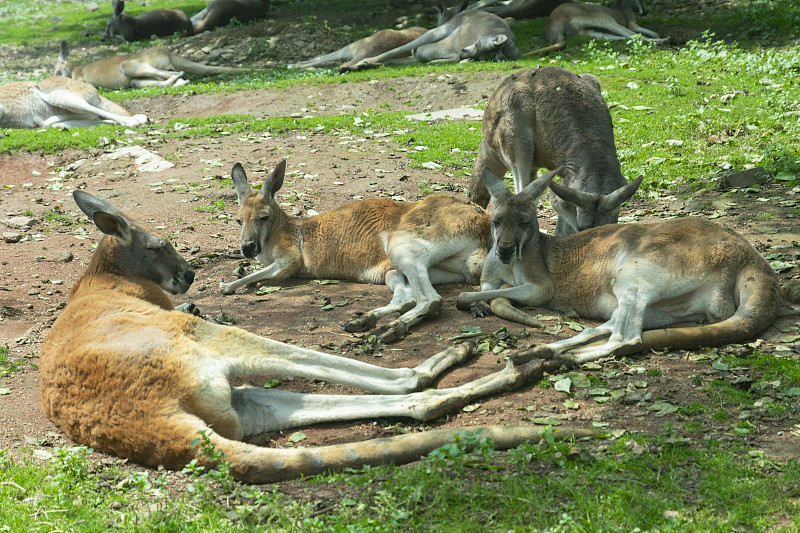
240	181
537	187
463	6
612	201
581	199
499	39
63	54
119	6
105	216
440	6
496	186
274	181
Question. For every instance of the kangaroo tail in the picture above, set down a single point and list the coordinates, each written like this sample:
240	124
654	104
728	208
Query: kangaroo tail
546	50
255	464
192	67
760	300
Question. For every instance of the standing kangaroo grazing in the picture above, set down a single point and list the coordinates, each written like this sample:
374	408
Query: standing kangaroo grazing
635	276
592	20
159	22
550	117
154	67
409	247
124	373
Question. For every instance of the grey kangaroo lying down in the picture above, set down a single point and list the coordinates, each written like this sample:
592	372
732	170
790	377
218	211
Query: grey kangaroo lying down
124	373
640	278
158	22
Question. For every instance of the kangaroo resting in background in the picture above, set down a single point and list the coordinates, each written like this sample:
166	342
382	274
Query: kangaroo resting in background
592	20
375	44
550	117
409	247
634	276
154	67
518	9
221	12
459	35
59	102
159	22
124	373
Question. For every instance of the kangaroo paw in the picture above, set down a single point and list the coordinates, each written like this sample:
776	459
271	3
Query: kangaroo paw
395	332
225	288
539	351
481	310
363	322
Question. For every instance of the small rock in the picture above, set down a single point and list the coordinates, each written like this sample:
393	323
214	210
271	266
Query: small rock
22	222
92	6
65	257
11	237
746	178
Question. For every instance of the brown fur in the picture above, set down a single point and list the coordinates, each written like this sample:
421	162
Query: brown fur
156	67
158	22
221	12
635	276
123	373
410	247
592	20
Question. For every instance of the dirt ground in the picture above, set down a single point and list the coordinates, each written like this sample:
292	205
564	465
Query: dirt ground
325	171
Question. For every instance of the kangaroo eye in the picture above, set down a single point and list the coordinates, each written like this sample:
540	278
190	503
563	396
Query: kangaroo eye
264	218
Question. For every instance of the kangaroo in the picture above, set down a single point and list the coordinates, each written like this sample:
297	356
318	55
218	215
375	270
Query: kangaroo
518	9
612	23
159	22
409	247
634	276
154	67
59	102
550	117
375	44
221	12
124	373
475	35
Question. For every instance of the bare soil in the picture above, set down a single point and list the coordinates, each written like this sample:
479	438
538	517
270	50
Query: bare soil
326	171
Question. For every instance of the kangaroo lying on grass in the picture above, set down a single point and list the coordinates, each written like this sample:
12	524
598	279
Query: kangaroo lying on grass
592	20
154	67
159	22
550	117
459	35
59	102
409	247
635	276
124	373
375	44
518	9
221	12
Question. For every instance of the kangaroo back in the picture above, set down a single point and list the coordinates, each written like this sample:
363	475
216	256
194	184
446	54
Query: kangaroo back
159	22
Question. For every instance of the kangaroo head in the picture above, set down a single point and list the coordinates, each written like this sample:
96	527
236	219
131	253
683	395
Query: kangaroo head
258	210
115	21
135	250
589	210
63	67
515	223
636	6
445	14
488	47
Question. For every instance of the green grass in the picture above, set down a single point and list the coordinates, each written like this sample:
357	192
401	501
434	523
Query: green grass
554	486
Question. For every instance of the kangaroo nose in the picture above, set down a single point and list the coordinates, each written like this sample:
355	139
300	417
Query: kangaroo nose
189	276
506	253
249	249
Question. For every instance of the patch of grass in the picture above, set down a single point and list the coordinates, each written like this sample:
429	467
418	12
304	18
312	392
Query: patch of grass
214	205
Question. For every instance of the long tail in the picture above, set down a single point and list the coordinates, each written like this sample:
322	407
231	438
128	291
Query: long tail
546	49
255	464
192	67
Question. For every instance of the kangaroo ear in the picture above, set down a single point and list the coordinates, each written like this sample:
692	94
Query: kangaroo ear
240	181
105	216
464	5
119	6
581	199
612	201
274	181
537	187
440	6
495	185
63	54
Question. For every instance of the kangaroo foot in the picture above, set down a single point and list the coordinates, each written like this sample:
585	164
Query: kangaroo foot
395	332
360	323
539	351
